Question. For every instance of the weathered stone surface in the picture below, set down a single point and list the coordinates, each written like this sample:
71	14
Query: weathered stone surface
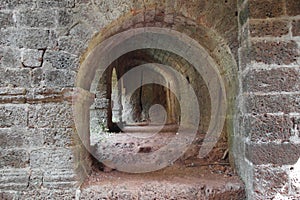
60	78
67	194
17	158
49	159
32	58
275	52
50	116
273	103
33	39
59	179
269	181
292	7
279	79
6	19
13	4
10	58
261	28
11	115
15	77
60	60
271	128
14	179
55	4
261	9
277	154
296	28
20	138
37	18
61	137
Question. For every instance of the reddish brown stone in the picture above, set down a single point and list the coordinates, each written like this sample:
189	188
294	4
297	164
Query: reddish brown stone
269	181
273	103
296	28
279	79
293	7
260	28
275	52
261	9
270	128
277	154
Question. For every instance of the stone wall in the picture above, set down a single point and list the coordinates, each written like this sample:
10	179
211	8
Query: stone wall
268	136
42	43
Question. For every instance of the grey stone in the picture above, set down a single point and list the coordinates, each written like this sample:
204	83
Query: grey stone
55	3
10	58
17	158
61	60
52	115
14	179
6	19
13	115
15	77
50	159
59	179
37	18
14	4
33	38
20	138
32	58
60	78
60	137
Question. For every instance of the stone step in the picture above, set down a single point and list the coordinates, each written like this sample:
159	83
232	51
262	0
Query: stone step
190	184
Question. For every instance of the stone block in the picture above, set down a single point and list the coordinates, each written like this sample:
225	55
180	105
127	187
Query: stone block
10	58
65	18
61	60
273	80
269	181
14	179
275	52
70	45
55	4
262	28
6	19
261	9
262	104
292	7
13	115
37	18
59	137
32	58
296	28
6	37
33	39
17	158
36	179
65	194
273	153
20	138
59	78
269	128
58	179
50	116
15	4
15	77
50	159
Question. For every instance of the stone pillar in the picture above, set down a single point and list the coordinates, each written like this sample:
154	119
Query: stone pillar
267	143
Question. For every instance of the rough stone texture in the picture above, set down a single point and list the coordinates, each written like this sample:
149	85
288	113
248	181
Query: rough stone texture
261	104
292	7
296	28
272	153
275	52
272	80
276	28
261	9
271	128
269	181
42	41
